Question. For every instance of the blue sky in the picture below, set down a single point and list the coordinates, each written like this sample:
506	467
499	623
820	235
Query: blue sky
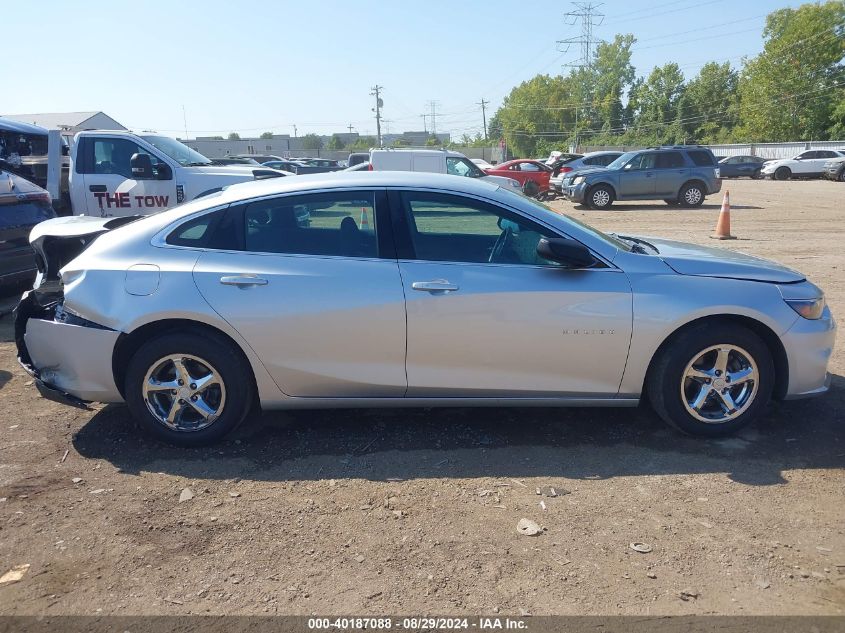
267	66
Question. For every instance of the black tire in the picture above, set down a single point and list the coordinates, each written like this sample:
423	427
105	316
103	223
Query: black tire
531	189
841	176
691	195
221	356
783	173
666	377
757	175
671	203
599	197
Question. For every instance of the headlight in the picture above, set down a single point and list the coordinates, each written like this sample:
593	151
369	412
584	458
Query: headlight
807	308
578	180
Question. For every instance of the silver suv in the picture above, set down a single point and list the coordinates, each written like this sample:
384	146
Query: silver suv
678	174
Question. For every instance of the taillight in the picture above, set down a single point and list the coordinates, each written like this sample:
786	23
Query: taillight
562	170
370	167
41	196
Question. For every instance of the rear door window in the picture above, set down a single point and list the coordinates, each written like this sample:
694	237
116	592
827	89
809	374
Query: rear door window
341	224
670	160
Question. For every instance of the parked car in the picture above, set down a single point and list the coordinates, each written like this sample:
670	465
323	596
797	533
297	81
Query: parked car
22	205
435	161
482	164
231	160
677	174
259	158
524	171
356	158
459	292
834	169
809	164
558	157
738	166
587	161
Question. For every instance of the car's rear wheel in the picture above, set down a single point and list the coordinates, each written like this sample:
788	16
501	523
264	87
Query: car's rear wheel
756	175
841	177
600	197
188	389
783	173
714	379
531	188
691	195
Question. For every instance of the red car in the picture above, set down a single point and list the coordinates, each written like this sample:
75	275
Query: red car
524	170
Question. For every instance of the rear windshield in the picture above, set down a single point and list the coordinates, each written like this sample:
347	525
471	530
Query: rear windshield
701	158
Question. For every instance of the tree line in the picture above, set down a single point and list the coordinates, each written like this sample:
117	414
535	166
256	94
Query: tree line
793	90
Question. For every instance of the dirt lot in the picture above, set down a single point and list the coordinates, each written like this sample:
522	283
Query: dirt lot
415	511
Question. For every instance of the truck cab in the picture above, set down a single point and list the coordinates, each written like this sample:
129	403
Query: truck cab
120	173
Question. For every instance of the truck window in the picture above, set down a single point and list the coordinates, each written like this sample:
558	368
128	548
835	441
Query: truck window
459	166
112	156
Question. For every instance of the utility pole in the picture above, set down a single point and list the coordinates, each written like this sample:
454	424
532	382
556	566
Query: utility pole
349	127
587	14
433	106
376	92
425	124
483	105
294	131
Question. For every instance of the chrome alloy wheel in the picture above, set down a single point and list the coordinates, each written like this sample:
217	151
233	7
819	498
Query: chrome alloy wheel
719	384
184	393
692	195
601	198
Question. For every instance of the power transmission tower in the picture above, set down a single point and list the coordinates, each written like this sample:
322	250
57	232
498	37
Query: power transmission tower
376	92
586	13
483	105
433	106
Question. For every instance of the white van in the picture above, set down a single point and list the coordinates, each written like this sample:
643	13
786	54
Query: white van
437	161
119	173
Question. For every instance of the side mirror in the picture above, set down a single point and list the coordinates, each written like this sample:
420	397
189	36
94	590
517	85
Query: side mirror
564	251
141	166
164	172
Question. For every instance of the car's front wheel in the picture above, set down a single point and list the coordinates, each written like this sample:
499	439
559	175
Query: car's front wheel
841	177
188	388
783	173
600	197
714	379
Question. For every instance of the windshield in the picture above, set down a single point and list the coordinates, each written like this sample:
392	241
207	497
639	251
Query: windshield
179	152
545	210
617	164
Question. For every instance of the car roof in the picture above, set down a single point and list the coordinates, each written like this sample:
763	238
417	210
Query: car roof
343	179
603	152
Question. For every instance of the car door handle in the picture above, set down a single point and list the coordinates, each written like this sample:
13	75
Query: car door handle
97	188
243	281
438	285
648	174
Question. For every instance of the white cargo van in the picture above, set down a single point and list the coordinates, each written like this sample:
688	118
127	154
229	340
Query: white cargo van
120	173
437	161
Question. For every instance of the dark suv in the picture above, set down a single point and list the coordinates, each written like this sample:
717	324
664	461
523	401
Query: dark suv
677	174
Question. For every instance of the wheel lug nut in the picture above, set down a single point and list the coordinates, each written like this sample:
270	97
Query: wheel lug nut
724	391
193	398
181	382
707	381
173	392
193	385
181	401
718	372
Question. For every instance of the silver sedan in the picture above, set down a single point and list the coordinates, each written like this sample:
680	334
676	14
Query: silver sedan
402	289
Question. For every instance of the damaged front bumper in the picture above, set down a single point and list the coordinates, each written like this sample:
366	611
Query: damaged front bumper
69	358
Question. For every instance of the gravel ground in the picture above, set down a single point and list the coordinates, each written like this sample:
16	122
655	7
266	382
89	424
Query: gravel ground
415	511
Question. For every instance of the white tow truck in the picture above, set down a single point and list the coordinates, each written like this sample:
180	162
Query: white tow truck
122	173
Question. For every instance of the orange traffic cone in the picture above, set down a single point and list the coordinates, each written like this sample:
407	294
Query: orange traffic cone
723	225
365	222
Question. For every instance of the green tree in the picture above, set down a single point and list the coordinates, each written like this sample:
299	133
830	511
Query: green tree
787	91
658	100
836	131
266	135
433	141
312	141
234	136
363	143
612	78
712	103
335	143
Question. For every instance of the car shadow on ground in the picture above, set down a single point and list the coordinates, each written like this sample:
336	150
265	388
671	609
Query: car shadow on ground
633	206
402	444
